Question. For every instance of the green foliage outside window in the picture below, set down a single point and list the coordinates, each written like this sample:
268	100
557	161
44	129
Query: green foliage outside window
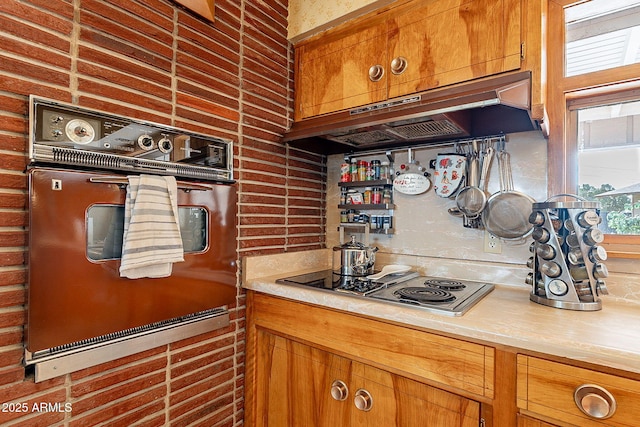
620	218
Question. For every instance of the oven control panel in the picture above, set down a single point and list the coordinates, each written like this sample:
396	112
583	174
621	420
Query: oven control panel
58	128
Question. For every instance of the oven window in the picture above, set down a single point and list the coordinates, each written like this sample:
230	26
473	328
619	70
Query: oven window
105	226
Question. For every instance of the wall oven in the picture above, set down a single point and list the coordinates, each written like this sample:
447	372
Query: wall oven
81	311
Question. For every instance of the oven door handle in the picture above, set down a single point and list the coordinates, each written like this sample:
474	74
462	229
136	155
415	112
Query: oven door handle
124	182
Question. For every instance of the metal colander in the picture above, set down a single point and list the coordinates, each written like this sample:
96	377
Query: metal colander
506	214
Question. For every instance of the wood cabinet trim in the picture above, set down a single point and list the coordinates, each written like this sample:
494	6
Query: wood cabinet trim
391	347
546	388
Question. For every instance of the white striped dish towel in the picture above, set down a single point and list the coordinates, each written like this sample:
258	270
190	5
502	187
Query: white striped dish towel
151	242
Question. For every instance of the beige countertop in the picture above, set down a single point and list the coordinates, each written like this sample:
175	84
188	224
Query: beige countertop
609	337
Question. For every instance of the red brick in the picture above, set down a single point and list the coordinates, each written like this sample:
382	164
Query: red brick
259	220
201	380
263	210
88	54
12	356
27	69
17	162
47	55
14	297
209	107
12	201
13	143
135	417
114	410
12	277
12	374
202	405
261	199
140	84
42	18
157	41
262	232
256	243
106	380
216	350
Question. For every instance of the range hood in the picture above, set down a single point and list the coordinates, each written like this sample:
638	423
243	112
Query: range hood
496	105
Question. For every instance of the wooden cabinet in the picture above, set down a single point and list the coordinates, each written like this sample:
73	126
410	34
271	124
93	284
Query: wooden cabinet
416	46
556	392
299	385
446	42
333	75
524	421
296	351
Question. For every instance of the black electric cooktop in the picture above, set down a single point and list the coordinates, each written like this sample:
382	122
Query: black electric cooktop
438	295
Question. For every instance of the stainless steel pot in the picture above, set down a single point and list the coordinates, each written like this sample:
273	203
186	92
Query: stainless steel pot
353	259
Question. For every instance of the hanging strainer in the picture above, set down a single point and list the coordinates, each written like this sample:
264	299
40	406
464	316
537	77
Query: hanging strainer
507	212
472	199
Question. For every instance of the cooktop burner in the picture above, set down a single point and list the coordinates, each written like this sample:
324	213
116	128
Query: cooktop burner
444	284
425	295
434	294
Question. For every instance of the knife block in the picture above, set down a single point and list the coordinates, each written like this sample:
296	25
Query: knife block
567	263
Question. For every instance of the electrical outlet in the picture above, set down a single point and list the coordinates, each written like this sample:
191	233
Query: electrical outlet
492	244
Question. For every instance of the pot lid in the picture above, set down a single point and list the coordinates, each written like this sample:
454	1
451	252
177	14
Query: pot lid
350	245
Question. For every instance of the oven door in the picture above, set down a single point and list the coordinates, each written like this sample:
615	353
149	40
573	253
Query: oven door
75	292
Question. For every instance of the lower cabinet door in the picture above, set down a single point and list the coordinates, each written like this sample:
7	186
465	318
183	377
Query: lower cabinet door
524	421
398	401
299	385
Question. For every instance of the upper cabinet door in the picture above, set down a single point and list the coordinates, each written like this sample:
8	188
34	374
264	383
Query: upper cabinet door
341	73
450	41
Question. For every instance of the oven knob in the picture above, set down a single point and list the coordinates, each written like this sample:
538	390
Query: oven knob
165	145
145	142
56	133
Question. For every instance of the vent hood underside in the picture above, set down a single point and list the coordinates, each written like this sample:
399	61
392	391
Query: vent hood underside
478	108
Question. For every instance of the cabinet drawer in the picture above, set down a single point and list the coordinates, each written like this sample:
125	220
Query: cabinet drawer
440	360
547	388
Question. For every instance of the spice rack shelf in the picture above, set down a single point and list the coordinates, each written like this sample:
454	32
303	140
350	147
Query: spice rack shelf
369	207
362	227
371	183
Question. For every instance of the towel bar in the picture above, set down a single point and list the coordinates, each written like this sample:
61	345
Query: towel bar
122	181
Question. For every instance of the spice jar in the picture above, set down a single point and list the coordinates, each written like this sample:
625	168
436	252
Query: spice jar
386	196
375	169
343	216
367	200
345	172
376	196
362	170
384	170
354	170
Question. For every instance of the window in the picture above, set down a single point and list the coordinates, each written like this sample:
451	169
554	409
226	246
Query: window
594	111
601	34
608	149
105	229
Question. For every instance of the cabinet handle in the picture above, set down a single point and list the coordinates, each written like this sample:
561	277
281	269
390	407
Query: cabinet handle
595	401
376	72
363	400
399	65
339	390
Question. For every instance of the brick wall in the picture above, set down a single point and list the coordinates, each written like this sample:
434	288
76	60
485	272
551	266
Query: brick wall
151	60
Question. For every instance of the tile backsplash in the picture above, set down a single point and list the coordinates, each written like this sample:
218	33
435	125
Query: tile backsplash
427	236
